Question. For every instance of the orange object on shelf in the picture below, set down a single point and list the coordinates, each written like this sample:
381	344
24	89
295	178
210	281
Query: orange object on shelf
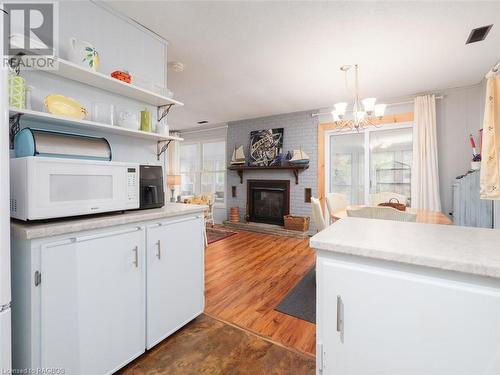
122	76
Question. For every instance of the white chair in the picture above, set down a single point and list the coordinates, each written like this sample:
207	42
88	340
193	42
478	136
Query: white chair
376	198
317	214
336	202
382	213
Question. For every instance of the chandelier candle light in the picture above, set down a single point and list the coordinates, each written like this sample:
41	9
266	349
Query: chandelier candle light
364	112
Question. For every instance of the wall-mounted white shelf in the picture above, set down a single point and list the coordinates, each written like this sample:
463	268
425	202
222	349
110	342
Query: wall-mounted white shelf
69	70
47	118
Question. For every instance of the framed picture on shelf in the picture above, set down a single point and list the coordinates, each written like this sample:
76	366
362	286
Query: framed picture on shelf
266	147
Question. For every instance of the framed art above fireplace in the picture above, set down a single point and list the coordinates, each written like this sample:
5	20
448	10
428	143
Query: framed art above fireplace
266	147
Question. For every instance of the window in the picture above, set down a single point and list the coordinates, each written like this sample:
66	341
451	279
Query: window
189	157
213	175
203	169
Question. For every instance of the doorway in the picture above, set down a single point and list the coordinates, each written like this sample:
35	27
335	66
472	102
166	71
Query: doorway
375	160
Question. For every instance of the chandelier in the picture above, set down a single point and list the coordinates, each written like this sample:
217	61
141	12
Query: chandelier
364	112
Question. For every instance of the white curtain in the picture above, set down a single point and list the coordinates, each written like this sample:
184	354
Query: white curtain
490	153
425	175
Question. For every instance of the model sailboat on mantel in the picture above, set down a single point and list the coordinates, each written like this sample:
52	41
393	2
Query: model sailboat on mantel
238	157
299	157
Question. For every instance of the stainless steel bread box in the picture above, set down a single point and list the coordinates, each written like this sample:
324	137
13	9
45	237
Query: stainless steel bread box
37	142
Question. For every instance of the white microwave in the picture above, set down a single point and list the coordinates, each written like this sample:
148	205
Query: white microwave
47	188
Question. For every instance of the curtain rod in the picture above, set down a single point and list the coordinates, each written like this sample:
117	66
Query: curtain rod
389	105
202	130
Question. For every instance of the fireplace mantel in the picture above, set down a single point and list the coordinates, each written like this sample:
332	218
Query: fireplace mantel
294	168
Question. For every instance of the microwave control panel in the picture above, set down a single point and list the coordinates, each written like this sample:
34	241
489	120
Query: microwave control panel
132	182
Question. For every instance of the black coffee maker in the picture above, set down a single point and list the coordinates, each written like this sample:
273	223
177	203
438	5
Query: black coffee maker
151	186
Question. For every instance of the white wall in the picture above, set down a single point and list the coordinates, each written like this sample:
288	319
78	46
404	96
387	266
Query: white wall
121	43
459	114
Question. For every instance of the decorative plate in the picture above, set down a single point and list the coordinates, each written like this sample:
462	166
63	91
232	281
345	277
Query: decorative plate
63	106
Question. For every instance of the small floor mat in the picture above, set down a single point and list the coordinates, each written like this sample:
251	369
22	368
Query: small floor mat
301	300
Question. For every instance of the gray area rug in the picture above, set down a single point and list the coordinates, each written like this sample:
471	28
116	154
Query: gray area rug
300	302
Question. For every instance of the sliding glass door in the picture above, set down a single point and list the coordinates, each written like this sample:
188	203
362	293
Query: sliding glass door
368	164
347	166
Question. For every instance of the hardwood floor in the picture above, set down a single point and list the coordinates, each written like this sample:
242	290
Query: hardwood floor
248	274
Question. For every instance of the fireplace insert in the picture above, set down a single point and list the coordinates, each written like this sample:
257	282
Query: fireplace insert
268	201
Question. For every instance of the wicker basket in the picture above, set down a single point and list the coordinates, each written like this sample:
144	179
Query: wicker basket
298	223
396	205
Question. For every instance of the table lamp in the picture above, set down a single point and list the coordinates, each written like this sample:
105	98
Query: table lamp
173	180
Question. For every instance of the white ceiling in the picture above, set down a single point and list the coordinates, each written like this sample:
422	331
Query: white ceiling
252	59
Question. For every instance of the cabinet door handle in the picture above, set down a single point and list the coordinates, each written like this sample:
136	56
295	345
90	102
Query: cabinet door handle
136	256
158	252
340	317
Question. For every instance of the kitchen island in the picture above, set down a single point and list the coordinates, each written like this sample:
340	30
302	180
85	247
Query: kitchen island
90	294
407	298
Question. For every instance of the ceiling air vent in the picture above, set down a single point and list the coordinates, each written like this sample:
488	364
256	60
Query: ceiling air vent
479	34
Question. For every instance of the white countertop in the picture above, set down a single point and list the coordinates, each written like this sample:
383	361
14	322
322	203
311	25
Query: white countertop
49	228
454	248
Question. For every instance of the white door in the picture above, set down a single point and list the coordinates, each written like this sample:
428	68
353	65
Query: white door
175	277
92	302
397	323
346	166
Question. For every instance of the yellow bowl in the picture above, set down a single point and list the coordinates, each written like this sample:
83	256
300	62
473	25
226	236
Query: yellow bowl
63	106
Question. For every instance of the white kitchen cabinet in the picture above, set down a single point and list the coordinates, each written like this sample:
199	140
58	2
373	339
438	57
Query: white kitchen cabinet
92	301
175	281
377	320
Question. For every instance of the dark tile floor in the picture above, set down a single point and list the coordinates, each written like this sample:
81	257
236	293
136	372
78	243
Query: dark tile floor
208	346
